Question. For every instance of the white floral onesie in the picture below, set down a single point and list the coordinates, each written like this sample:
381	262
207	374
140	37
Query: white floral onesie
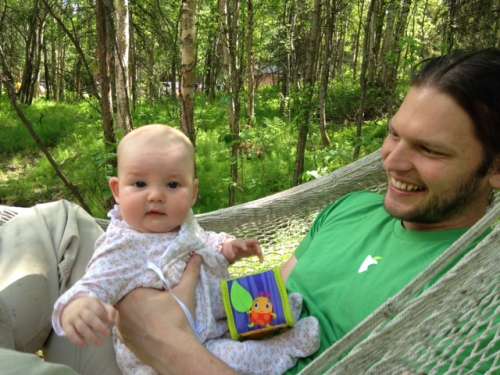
125	259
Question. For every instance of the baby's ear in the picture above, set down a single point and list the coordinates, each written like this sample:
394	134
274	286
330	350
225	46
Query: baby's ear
114	185
195	191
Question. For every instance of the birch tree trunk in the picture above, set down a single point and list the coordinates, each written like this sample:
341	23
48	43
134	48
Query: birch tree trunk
251	64
188	67
122	45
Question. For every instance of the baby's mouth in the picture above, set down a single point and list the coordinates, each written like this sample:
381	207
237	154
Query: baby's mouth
155	212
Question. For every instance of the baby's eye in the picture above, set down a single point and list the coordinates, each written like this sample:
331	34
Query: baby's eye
139	184
173	185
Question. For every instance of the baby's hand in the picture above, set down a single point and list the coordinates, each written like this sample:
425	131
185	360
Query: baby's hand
236	249
86	320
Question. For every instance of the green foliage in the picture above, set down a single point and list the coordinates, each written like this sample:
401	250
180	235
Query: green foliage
267	150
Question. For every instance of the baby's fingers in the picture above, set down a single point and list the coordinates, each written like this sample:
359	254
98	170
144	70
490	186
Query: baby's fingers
87	333
73	336
96	321
256	249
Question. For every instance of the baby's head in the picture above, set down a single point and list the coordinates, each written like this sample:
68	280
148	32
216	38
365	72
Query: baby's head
156	185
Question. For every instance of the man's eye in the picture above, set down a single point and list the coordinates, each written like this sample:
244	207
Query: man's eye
173	185
430	151
139	184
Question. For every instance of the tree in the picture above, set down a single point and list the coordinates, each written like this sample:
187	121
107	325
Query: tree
309	83
33	54
188	67
250	64
230	14
104	53
122	46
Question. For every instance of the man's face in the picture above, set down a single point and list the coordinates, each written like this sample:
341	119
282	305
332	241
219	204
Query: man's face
432	159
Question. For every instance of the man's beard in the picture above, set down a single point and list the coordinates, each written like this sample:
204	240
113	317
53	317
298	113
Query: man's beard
441	208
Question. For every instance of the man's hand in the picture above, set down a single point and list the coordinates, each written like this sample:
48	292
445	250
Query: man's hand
86	320
236	249
154	327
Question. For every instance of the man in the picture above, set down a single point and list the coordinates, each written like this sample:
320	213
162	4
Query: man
442	162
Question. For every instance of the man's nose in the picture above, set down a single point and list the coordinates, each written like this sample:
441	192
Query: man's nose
397	156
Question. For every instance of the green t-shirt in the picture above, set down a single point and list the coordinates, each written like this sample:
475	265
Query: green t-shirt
353	259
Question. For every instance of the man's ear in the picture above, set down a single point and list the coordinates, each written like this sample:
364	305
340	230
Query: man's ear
114	186
494	178
195	191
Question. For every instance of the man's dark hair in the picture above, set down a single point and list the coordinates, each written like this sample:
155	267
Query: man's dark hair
472	79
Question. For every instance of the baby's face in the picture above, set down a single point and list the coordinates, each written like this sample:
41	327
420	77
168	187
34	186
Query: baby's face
156	187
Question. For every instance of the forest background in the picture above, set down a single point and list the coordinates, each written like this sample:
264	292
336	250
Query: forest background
272	92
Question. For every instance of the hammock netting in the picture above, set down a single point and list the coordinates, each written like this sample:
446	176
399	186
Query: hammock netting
452	327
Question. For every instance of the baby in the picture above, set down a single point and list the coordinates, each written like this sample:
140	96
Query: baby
151	235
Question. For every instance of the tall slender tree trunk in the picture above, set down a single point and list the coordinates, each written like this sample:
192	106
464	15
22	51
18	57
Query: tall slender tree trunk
449	34
289	19
103	58
310	80
46	72
61	68
325	72
122	47
133	66
251	64
188	67
211	66
33	53
367	49
399	32
230	14
388	41
361	6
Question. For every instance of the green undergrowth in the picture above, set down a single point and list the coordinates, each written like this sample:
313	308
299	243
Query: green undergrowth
73	134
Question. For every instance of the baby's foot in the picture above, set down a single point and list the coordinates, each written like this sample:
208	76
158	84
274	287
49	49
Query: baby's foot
303	339
295	301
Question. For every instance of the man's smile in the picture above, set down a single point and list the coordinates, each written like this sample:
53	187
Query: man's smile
405	186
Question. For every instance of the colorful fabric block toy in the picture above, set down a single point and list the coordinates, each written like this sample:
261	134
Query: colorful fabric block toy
256	305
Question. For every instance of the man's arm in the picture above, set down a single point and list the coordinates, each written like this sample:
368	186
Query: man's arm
154	327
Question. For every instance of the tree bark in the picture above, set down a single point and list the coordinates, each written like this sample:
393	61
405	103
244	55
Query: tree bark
33	54
361	6
122	45
188	67
251	65
325	71
103	58
230	14
310	80
367	43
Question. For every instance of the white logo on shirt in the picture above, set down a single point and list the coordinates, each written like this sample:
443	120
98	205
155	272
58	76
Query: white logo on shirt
369	261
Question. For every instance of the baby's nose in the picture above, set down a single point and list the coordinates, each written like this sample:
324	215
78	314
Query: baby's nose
156	195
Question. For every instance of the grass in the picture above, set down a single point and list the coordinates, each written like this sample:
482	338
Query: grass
74	135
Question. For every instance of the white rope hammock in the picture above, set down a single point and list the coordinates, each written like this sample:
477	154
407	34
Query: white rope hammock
451	328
